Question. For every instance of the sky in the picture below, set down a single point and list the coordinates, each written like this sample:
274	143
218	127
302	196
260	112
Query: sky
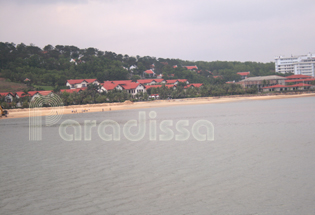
207	30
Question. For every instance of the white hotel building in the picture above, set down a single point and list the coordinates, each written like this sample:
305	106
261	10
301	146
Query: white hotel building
299	65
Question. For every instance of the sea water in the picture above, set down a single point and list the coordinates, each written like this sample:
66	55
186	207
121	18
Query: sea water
261	161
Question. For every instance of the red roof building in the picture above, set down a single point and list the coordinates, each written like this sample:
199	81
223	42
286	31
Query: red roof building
197	85
45	93
110	85
305	80
218	76
292	77
171	81
243	74
183	80
79	83
149	72
120	82
150	81
191	67
3	94
276	86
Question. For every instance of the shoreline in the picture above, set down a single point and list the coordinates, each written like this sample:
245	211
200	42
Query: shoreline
127	105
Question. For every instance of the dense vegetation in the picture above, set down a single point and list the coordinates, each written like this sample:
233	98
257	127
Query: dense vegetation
51	66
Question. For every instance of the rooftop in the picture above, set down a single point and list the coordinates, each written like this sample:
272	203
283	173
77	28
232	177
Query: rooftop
261	78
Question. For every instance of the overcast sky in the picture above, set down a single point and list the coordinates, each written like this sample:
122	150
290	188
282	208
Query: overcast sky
243	30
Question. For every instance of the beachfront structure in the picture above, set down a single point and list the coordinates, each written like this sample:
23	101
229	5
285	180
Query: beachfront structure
243	74
111	85
299	79
299	65
262	81
8	97
41	93
134	88
127	85
278	87
80	83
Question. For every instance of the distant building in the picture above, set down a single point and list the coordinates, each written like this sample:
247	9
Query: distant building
262	81
191	67
8	97
127	85
151	81
243	74
79	83
149	73
299	79
299	65
300	86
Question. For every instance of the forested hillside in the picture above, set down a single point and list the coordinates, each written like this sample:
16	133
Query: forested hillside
52	66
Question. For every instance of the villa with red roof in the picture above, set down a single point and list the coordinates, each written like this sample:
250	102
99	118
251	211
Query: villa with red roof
127	85
79	83
8	97
243	74
175	81
149	73
195	85
191	67
134	88
151	81
111	85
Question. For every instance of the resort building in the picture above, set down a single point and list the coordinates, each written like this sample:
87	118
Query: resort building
196	85
127	85
191	67
176	81
148	73
111	85
8	97
151	81
300	86
262	81
134	88
158	86
80	83
243	74
299	65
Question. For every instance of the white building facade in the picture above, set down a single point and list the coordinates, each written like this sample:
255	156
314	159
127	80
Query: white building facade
299	65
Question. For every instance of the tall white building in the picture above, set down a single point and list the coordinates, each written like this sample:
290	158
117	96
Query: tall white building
299	65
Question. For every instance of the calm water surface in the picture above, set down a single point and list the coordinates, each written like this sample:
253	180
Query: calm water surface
262	161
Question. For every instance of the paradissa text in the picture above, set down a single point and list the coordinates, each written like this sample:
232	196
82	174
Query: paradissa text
182	133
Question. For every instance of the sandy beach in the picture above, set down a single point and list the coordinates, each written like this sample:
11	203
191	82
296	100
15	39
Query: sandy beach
81	109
